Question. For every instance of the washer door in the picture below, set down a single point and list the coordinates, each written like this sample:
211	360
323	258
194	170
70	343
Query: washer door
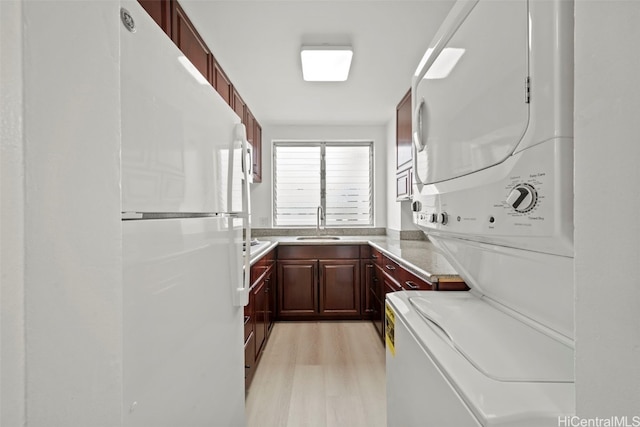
470	108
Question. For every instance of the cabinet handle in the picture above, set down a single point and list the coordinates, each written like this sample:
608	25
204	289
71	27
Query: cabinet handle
411	285
374	256
389	267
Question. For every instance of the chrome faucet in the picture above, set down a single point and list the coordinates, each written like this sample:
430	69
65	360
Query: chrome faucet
319	217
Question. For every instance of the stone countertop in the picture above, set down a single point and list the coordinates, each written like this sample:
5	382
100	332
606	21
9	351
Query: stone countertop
418	256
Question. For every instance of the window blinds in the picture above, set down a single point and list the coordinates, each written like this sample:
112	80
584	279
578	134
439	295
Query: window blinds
336	176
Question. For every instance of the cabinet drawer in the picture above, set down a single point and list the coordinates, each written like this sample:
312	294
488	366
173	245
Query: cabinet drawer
411	282
391	267
318	252
376	256
248	327
261	266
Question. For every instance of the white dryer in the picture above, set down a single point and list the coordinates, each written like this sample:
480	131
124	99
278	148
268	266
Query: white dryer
493	168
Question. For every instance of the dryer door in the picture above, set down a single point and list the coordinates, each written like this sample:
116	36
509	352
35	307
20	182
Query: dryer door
470	106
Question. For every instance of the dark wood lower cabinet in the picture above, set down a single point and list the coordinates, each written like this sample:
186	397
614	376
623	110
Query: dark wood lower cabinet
366	281
323	282
340	287
259	303
262	309
323	285
258	313
297	288
249	359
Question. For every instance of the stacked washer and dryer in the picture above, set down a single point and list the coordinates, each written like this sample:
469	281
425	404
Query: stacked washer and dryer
493	190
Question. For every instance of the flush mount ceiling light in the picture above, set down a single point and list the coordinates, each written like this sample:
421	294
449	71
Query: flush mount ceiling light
326	63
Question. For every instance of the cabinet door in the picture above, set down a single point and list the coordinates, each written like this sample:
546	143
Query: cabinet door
270	301
375	286
259	301
297	288
238	105
403	185
160	11
257	151
367	278
403	133
340	287
185	36
249	360
222	83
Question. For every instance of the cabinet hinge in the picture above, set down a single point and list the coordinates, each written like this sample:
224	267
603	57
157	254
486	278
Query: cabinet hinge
527	90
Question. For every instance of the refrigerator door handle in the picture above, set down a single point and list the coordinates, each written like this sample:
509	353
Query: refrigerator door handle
241	294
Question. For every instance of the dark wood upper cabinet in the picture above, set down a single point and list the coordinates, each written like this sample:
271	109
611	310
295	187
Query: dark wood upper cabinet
403	133
238	105
257	152
222	83
170	16
250	124
185	36
404	154
160	11
254	136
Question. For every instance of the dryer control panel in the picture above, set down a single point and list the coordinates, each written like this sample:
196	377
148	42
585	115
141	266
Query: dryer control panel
525	201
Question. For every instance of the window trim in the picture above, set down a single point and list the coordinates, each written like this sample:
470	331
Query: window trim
323	144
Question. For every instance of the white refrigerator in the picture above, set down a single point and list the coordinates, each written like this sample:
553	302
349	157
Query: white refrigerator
184	207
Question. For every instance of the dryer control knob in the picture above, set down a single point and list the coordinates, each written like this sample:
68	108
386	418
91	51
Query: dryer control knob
522	198
443	218
432	217
416	206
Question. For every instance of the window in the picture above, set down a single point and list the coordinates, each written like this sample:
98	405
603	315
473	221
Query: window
334	175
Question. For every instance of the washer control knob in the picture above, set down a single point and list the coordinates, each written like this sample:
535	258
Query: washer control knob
432	217
522	198
443	218
416	206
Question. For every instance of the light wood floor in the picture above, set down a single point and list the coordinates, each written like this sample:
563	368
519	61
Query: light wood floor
325	374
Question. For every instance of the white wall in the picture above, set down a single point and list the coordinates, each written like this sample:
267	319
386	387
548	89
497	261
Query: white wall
61	259
261	194
12	349
607	203
394	213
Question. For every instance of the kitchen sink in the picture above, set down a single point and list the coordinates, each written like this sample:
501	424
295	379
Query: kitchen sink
318	238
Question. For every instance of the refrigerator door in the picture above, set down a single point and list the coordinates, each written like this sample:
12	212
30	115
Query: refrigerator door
179	137
183	337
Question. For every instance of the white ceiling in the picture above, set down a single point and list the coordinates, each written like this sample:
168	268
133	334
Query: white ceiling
258	45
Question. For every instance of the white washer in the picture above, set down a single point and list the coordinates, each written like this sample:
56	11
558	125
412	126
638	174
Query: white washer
493	190
455	359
